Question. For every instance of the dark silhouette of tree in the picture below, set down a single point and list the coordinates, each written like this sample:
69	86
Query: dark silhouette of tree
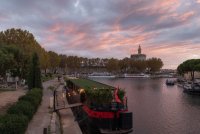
6	61
34	77
112	65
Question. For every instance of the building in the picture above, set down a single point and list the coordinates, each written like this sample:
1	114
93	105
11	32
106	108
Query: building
139	56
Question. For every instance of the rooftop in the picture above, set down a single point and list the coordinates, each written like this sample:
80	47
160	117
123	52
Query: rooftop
88	84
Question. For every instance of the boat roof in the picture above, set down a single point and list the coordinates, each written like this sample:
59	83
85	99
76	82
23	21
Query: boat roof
88	84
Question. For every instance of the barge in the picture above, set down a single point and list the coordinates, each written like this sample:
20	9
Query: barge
104	108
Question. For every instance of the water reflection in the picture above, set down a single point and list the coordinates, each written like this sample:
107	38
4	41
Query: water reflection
159	109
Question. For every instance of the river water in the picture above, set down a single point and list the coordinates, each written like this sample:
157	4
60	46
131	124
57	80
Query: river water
157	108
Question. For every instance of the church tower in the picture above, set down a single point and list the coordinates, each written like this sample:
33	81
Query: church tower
139	50
139	56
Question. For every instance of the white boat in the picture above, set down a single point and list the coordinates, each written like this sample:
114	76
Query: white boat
101	75
170	82
136	75
187	86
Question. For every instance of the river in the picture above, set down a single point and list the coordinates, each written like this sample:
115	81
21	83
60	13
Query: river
158	108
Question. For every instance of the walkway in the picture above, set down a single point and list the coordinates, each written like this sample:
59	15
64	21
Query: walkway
69	125
42	117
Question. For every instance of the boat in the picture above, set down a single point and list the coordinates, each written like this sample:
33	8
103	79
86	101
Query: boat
104	107
141	75
101	75
170	82
193	88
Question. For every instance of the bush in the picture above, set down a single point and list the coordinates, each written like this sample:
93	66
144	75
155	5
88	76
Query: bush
18	115
13	124
34	97
22	108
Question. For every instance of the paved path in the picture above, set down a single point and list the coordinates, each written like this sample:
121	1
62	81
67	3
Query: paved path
69	125
42	117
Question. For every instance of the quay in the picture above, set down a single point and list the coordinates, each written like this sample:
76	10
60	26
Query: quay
68	122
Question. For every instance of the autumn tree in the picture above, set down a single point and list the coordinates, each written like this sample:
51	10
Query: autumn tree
26	43
54	61
154	64
124	65
140	66
112	65
73	63
63	62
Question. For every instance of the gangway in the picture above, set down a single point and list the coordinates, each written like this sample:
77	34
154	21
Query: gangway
60	101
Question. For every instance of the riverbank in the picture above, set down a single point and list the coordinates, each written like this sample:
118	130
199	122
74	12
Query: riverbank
68	123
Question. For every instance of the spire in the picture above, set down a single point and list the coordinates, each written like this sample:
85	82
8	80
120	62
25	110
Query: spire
139	50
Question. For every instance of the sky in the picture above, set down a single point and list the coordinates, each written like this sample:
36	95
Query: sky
166	29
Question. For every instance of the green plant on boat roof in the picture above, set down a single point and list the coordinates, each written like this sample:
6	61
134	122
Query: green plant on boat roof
99	96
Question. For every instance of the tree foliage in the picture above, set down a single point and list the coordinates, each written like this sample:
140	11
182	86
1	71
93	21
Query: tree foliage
25	41
189	66
34	78
54	60
17	47
154	64
112	65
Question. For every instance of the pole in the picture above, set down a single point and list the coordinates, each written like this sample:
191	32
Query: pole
54	100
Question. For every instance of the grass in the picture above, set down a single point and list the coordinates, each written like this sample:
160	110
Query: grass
7	89
88	84
46	78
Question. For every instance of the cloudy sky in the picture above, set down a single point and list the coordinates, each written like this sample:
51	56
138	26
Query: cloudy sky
168	29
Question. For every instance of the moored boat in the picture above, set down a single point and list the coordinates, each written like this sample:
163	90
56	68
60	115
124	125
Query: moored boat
170	82
101	75
193	88
136	75
104	107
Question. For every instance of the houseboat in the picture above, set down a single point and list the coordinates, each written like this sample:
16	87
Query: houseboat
104	107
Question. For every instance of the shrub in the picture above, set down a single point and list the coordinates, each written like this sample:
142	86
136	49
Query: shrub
18	115
22	108
34	76
34	97
13	124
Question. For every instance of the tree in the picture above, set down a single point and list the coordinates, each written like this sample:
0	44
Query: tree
154	64
189	66
34	78
140	66
6	60
63	62
25	42
112	65
74	63
124	65
54	61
